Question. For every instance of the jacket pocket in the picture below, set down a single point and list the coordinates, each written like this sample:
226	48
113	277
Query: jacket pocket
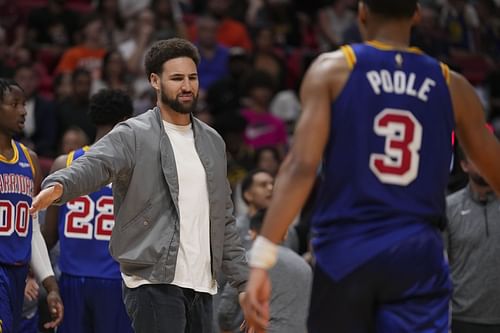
137	216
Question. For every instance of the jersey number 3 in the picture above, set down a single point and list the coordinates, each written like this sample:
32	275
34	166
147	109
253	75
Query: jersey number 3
81	214
403	139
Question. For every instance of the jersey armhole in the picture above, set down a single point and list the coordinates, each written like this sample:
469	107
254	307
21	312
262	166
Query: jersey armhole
69	159
349	55
28	157
446	72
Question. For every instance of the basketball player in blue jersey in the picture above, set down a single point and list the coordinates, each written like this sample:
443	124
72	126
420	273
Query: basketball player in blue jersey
379	116
21	241
91	284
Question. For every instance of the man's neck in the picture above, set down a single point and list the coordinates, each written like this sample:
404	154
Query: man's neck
6	145
480	191
394	33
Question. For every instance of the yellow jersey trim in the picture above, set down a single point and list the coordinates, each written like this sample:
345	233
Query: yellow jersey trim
349	54
14	158
69	159
71	155
446	72
28	157
386	47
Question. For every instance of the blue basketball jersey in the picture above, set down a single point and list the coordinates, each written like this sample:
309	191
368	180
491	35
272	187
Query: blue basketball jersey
386	165
16	191
85	226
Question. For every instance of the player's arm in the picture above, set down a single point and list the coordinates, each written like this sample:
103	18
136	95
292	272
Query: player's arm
322	84
40	261
50	228
111	157
479	144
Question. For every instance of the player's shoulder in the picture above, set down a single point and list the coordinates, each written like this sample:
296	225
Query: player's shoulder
330	62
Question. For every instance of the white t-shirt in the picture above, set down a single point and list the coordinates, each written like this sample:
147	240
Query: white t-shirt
193	267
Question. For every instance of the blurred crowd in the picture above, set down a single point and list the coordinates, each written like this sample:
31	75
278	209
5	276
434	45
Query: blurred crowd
254	54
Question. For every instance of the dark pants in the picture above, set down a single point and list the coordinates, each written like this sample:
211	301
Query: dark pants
463	327
405	289
167	308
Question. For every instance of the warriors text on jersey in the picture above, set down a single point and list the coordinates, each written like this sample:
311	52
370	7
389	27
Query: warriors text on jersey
16	190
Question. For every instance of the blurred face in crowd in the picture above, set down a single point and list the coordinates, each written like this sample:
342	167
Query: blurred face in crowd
260	193
218	8
93	31
470	168
27	79
115	65
262	96
178	84
267	161
207	31
81	86
73	139
12	111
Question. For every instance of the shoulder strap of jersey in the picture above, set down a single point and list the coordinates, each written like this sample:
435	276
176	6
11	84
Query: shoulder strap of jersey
28	157
73	155
446	72
349	55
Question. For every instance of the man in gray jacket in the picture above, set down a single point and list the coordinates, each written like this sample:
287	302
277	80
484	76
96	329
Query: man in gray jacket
472	241
174	230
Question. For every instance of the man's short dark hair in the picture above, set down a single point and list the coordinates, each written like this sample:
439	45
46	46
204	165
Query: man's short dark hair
168	49
247	182
392	8
108	107
6	85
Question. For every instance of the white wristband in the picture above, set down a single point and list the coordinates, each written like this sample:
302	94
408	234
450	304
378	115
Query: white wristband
264	253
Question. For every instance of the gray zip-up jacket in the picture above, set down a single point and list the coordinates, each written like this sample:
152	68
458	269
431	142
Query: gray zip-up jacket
472	241
138	159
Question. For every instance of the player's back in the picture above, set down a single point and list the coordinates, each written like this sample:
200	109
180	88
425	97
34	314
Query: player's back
16	190
387	161
85	226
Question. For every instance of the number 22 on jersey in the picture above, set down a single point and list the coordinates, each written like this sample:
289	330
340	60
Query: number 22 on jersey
83	211
403	139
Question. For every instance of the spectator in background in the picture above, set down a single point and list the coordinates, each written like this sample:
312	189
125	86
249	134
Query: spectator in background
40	128
334	20
472	241
263	129
225	94
461	22
289	302
62	87
113	22
114	73
73	111
5	69
169	19
51	28
213	56
73	139
428	35
256	192
267	57
134	49
489	30
230	32
268	159
89	53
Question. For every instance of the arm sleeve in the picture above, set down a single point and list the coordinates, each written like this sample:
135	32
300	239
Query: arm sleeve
107	159
40	261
